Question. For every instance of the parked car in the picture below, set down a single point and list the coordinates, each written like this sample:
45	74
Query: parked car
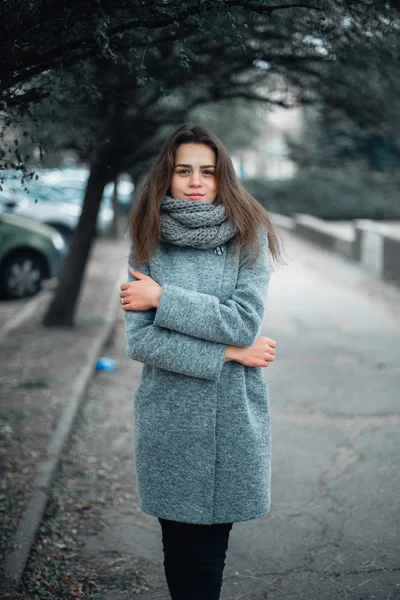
72	180
50	206
63	216
29	253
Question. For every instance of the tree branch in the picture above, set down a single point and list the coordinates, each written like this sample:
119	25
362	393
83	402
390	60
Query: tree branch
86	44
32	95
261	9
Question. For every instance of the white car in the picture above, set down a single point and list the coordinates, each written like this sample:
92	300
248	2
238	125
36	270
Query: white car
73	181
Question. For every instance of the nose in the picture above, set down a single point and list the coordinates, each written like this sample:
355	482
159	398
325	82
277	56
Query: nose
195	180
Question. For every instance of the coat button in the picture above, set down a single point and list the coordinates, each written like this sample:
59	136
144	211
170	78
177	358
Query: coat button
219	250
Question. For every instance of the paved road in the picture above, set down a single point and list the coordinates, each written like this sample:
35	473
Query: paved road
333	532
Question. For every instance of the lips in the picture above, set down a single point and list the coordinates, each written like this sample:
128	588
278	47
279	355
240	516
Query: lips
194	196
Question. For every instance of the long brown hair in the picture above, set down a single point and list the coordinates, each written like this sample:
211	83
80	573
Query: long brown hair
241	207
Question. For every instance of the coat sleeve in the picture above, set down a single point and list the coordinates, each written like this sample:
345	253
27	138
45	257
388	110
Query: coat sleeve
236	321
170	350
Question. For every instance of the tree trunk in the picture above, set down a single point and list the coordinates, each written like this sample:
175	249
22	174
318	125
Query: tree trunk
62	308
115	226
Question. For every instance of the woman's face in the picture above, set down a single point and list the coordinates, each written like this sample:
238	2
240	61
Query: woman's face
194	173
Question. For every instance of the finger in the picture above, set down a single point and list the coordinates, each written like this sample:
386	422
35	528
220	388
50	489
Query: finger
270	350
137	274
124	294
126	302
124	286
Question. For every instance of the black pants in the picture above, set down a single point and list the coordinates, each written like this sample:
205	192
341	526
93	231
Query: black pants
194	559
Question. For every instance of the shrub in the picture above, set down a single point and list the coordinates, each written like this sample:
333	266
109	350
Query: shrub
331	195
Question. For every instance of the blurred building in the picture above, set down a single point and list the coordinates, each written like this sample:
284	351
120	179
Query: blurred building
269	155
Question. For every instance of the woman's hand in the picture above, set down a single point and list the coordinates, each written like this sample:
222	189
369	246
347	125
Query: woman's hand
140	295
259	354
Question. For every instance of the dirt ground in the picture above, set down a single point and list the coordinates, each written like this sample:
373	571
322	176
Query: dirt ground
38	369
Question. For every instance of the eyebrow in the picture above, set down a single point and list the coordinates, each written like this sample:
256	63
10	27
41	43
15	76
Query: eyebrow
201	166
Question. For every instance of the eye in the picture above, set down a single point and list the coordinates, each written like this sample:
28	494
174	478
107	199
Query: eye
207	172
183	171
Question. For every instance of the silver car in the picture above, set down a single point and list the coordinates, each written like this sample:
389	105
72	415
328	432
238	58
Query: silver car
50	205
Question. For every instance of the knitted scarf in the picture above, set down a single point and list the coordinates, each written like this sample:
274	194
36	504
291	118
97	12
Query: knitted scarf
195	223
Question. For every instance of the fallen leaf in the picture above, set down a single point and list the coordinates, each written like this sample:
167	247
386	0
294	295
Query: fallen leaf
76	590
50	586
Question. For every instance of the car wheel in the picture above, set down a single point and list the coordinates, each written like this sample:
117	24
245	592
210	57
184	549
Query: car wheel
21	275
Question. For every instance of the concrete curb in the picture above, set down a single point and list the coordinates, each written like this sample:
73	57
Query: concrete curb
31	518
371	243
282	221
391	258
326	235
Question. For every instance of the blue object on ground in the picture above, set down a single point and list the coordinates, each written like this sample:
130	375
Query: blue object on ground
105	364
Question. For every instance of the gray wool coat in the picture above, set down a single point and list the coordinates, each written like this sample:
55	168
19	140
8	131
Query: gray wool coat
201	425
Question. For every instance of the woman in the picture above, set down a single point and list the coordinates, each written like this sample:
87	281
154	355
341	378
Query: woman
193	308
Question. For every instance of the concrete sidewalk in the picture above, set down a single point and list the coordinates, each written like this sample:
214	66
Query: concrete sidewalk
333	529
